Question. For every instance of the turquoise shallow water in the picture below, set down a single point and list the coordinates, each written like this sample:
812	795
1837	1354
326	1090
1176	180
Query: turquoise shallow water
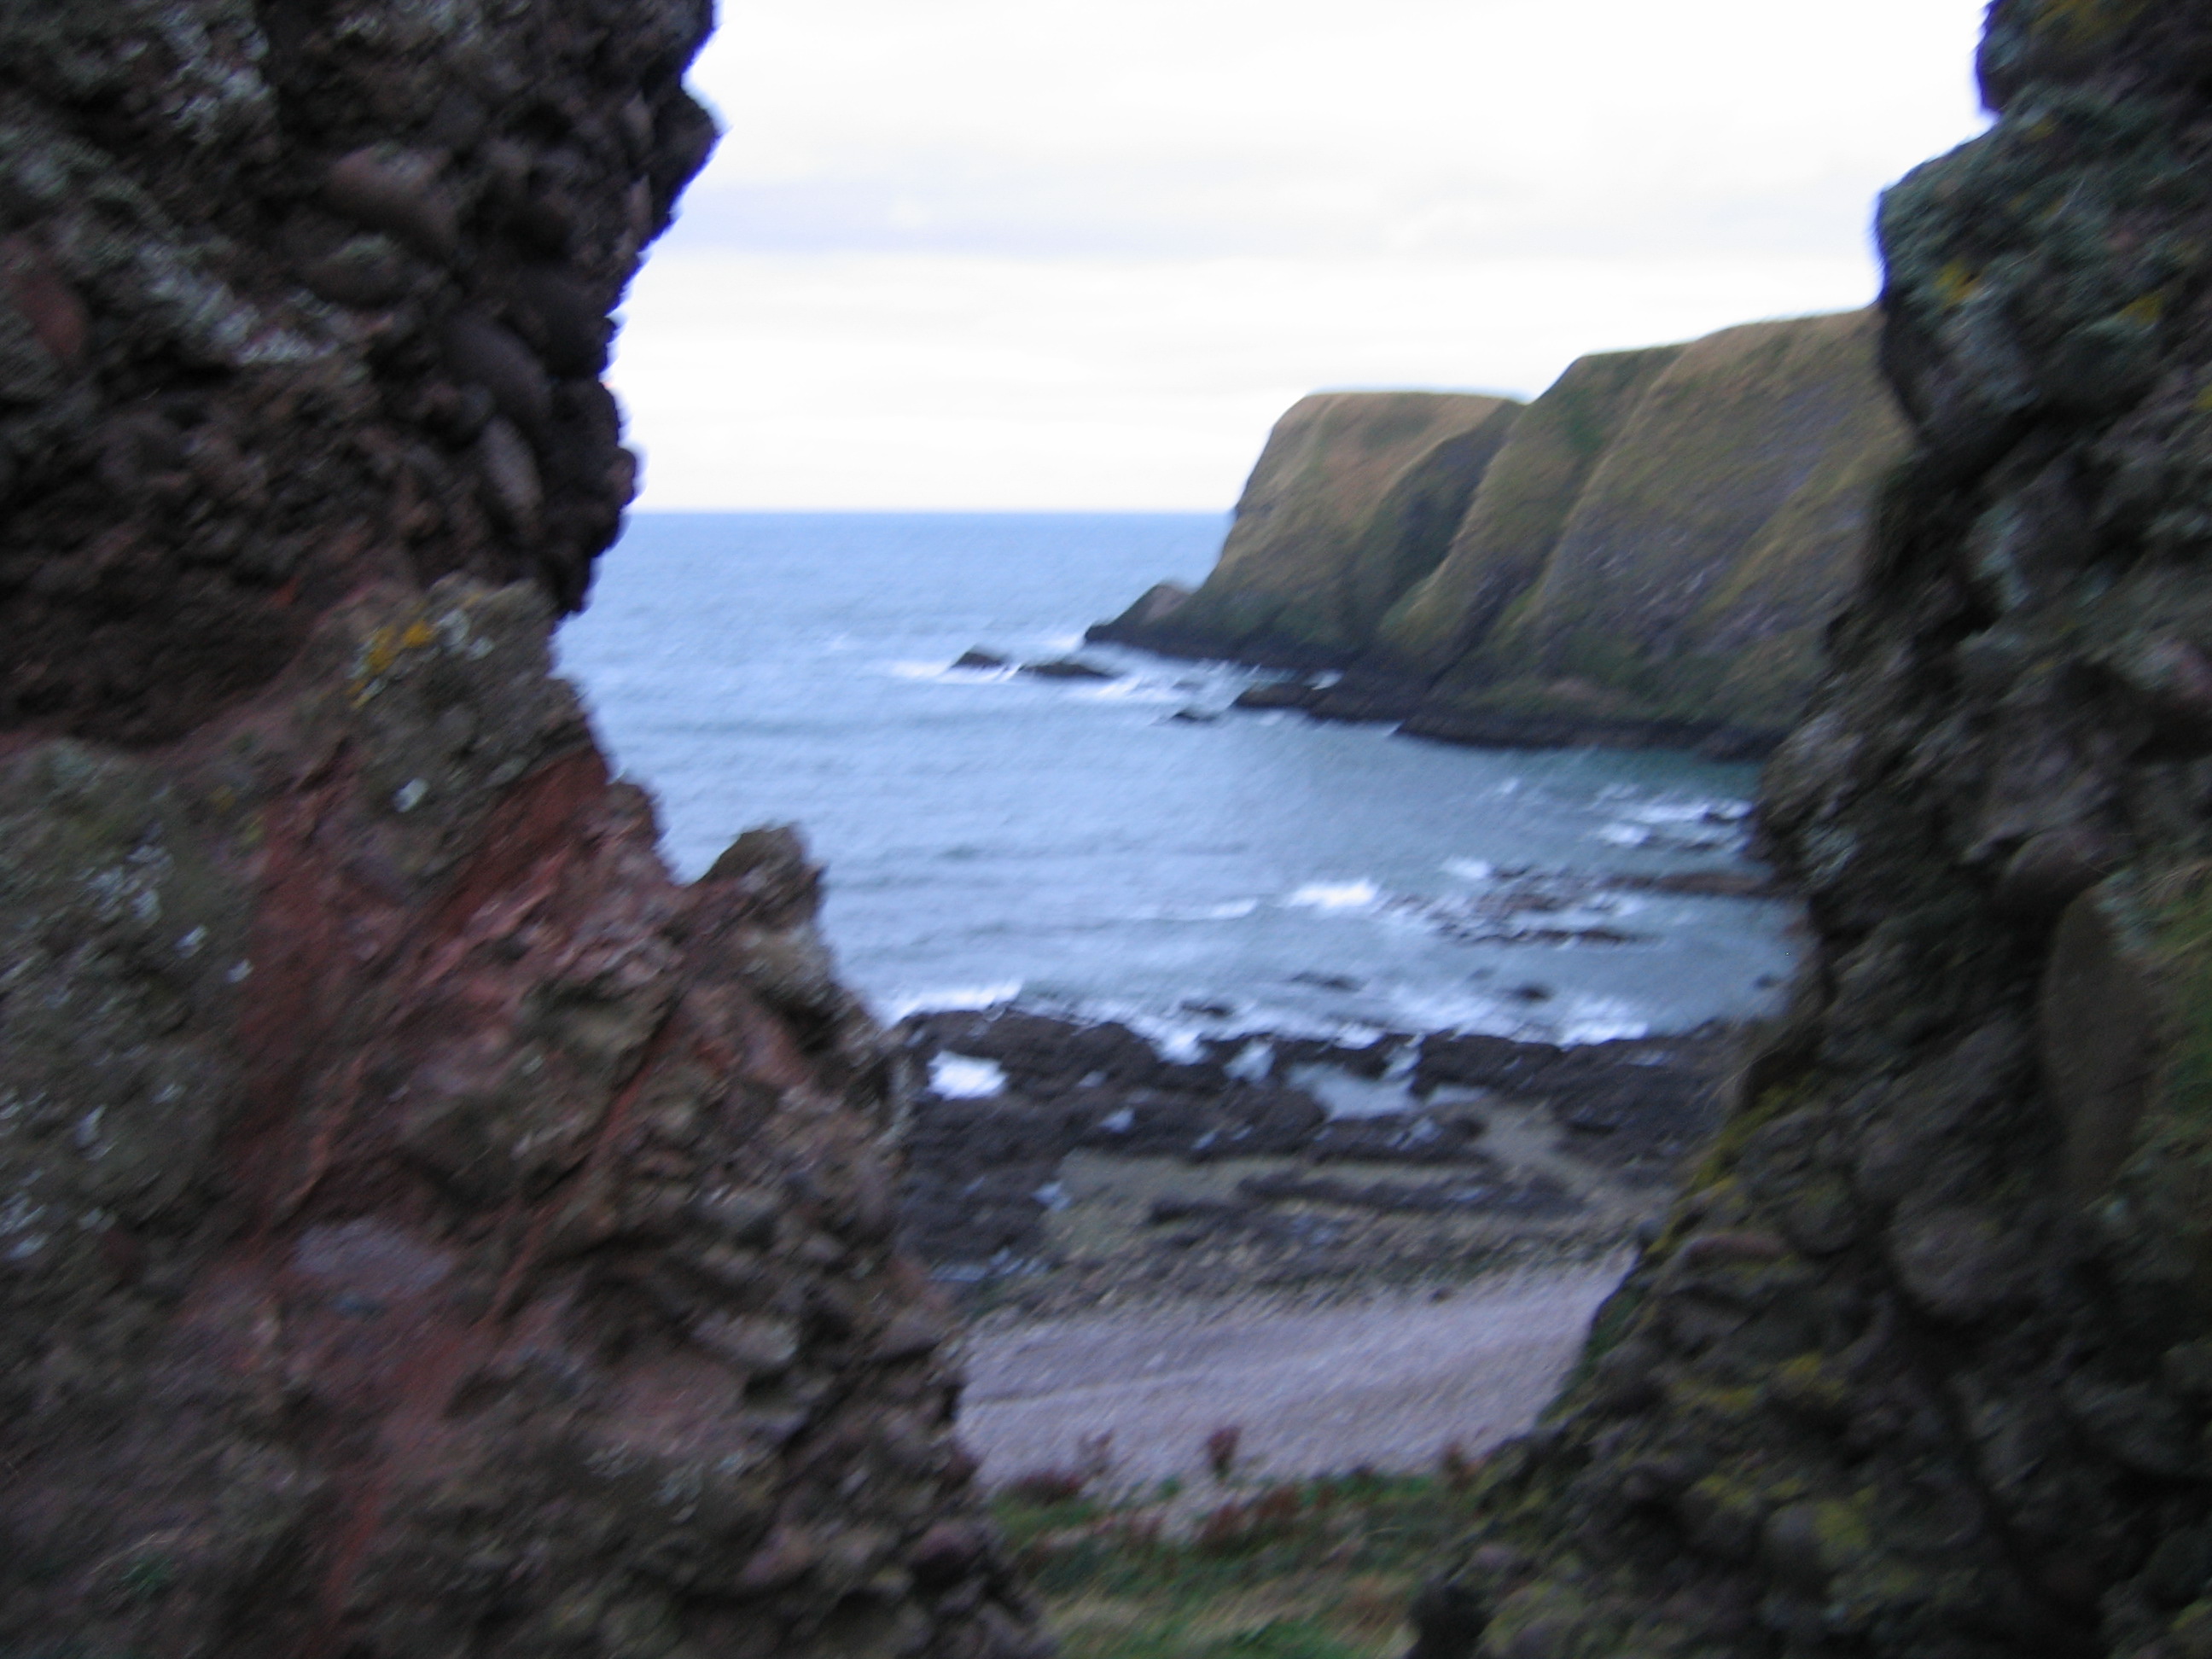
1077	843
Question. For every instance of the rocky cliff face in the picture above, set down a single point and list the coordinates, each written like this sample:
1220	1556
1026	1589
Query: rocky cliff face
1923	1363
1353	500
1499	550
1652	554
424	1227
1694	563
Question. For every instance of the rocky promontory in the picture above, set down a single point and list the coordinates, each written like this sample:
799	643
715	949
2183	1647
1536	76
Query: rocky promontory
426	1229
1353	501
1921	1364
1649	556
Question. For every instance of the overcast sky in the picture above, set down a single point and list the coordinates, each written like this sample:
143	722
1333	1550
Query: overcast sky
1080	253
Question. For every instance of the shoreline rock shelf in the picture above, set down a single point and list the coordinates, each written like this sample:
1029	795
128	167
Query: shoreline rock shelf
1073	1162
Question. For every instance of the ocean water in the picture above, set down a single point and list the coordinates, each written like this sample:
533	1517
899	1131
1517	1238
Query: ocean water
1124	847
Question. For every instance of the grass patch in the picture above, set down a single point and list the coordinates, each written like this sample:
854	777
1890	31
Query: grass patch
1319	1569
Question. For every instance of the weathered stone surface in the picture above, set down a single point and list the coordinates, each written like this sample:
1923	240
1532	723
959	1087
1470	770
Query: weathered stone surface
425	1227
1956	1402
345	235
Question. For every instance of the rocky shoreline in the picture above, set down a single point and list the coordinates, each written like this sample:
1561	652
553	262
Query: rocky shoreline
1053	1164
1320	686
1360	696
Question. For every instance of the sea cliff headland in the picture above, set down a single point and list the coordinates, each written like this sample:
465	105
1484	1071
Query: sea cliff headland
1646	554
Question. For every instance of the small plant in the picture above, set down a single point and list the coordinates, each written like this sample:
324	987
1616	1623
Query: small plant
1272	1516
1456	1467
1045	1488
1222	1530
1221	1449
1064	1483
147	1577
1140	1533
1280	1639
1321	1568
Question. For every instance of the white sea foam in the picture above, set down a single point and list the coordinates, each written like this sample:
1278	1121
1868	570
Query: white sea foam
1344	1094
1228	910
1470	869
1671	823
951	999
1570	1021
1600	1019
962	1077
1132	690
1691	811
1360	894
1182	1044
1253	1062
1178	1038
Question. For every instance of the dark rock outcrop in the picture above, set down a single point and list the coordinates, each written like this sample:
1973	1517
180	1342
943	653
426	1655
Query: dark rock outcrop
425	1228
983	1172
1648	558
1919	1365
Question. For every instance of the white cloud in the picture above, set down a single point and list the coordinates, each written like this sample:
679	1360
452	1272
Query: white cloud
1037	252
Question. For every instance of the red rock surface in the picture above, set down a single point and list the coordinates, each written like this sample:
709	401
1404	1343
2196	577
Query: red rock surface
425	1227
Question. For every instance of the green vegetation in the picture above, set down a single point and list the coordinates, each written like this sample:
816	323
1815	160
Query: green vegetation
1520	508
1319	1569
1355	499
1705	549
1662	537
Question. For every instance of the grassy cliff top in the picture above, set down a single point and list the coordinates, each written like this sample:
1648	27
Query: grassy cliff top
1346	479
1521	505
1703	547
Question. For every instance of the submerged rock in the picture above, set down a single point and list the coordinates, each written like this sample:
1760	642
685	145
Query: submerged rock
425	1227
1065	668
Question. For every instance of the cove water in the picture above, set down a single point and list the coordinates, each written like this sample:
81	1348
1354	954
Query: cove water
1125	847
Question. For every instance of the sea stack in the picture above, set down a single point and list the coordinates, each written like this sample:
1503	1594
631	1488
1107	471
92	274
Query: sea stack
1922	1363
425	1227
